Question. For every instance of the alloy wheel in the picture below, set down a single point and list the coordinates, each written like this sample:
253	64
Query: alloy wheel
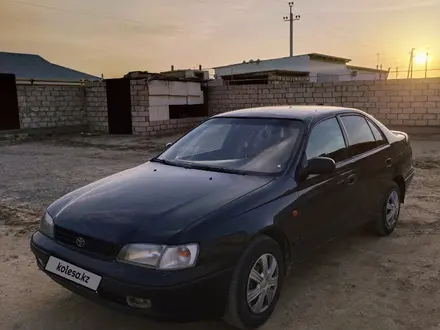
392	209
262	283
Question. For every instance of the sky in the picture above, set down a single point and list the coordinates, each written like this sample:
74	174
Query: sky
113	37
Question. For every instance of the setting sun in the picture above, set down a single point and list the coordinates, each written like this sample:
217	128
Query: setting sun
421	58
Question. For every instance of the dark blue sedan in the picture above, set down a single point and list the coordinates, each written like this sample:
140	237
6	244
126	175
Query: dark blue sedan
211	226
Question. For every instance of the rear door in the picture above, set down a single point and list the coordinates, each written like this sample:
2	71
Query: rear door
369	155
324	200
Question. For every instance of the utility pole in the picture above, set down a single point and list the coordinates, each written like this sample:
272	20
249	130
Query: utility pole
411	61
426	63
291	18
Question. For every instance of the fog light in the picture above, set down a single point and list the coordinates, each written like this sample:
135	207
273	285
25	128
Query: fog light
136	302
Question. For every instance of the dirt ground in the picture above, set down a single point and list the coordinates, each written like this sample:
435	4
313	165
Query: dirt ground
357	282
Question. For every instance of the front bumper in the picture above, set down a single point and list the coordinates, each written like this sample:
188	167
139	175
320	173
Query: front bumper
202	297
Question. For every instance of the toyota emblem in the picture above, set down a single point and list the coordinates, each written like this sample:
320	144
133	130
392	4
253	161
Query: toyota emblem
80	242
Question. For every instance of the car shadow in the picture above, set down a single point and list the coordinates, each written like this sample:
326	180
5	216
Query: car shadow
69	311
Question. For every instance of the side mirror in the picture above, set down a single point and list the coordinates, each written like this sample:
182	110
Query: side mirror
320	165
169	144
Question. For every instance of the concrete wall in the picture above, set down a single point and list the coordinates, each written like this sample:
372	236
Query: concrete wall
163	93
96	106
46	106
398	103
139	106
50	106
403	102
150	101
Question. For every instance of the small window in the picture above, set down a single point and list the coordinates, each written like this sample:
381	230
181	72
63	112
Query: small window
359	134
377	134
326	140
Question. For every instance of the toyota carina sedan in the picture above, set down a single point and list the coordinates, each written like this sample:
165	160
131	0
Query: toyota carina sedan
212	225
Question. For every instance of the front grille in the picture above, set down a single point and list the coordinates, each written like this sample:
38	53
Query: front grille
91	245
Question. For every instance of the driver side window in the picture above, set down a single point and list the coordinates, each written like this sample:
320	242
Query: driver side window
326	140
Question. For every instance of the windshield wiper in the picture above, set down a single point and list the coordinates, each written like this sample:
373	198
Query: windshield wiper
164	161
214	168
199	166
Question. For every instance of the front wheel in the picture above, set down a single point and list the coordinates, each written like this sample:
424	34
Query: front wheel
256	284
386	223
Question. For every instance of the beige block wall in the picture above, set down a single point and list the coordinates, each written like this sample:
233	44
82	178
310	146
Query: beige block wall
141	114
45	106
412	102
96	105
139	106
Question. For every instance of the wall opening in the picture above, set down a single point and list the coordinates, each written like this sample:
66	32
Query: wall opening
9	117
119	106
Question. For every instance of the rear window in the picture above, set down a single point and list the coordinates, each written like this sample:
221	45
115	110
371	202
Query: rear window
360	136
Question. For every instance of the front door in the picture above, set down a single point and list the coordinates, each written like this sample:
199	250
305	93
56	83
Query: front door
324	200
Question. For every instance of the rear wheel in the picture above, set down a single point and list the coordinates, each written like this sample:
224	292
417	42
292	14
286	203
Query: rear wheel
256	284
386	223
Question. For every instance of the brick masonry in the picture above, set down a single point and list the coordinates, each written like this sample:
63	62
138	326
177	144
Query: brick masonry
141	118
410	103
414	102
96	105
51	106
139	107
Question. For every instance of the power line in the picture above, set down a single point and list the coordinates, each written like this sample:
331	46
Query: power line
76	12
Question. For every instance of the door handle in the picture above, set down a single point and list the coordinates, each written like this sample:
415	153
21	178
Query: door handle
389	162
351	179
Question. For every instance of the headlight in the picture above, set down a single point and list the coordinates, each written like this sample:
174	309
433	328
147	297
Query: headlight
160	256
46	225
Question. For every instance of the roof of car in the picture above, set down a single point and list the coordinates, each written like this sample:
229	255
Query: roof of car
302	112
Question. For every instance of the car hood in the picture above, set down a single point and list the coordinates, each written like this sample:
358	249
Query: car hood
149	203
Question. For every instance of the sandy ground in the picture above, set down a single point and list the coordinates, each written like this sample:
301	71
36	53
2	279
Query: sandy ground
357	282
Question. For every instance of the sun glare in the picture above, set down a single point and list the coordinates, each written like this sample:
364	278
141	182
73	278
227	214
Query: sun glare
421	58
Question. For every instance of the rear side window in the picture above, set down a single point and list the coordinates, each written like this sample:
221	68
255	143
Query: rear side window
326	140
377	134
359	135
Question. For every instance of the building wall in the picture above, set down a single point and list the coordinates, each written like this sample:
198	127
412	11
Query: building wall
366	75
150	101
320	71
402	102
46	106
297	63
139	106
96	106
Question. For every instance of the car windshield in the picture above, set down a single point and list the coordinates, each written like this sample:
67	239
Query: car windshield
257	145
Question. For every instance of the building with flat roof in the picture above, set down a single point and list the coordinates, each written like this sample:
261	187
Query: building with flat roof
315	67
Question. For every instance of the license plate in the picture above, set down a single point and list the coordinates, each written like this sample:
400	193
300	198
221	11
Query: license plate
73	273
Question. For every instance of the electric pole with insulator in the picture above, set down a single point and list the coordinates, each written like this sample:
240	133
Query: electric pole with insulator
291	18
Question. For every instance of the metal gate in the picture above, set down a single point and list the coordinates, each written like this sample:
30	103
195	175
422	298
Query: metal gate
119	106
9	118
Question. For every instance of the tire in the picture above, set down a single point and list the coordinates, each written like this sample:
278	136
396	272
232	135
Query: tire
239	312
383	225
